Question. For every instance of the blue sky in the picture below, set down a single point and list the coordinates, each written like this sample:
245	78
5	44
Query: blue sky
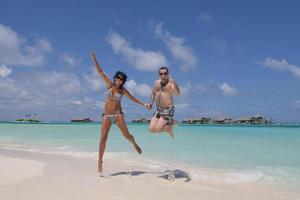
231	59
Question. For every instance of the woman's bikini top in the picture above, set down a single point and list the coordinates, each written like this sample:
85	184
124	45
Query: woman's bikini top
117	96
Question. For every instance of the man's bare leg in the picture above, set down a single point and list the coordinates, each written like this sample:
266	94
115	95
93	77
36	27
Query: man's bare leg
153	124
162	125
169	130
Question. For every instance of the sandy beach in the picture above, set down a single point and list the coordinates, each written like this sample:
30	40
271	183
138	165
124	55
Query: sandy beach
26	175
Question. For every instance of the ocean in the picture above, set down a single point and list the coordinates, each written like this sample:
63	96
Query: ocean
217	153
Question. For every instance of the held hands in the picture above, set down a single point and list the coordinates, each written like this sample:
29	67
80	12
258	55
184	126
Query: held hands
148	106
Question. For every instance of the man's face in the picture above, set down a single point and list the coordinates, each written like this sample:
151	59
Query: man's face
164	75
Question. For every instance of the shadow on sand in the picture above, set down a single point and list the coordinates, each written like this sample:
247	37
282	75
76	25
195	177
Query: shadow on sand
167	174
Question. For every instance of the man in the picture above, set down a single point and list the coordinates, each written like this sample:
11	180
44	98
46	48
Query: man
162	93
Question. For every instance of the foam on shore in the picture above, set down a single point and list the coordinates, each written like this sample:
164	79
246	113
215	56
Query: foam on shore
216	175
67	177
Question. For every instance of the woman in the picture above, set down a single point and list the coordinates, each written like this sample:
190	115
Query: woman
113	110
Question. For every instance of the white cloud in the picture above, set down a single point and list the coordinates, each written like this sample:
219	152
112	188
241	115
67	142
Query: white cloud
282	65
298	104
99	104
14	49
140	89
69	60
205	17
219	45
59	82
52	95
228	90
76	102
187	88
94	81
86	104
4	71
213	113
45	88
43	45
182	106
46	93
138	58
179	50
200	88
8	88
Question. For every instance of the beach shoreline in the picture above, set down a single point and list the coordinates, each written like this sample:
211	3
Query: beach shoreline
65	177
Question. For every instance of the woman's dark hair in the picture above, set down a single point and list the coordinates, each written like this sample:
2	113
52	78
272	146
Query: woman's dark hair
121	74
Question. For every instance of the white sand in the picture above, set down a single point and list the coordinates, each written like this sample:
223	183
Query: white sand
66	178
14	170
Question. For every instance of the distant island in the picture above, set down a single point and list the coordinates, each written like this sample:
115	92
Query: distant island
28	120
86	120
208	120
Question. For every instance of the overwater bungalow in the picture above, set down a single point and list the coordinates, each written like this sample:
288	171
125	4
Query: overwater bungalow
141	120
244	120
253	120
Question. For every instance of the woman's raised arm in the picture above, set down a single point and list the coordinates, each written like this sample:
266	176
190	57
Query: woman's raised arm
100	71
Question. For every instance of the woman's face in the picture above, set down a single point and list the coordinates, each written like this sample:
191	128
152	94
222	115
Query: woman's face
119	80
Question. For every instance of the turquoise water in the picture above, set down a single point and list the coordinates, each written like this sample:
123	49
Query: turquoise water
216	153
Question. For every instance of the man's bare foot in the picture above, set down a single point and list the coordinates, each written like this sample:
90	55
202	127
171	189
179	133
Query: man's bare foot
138	149
100	168
169	130
171	134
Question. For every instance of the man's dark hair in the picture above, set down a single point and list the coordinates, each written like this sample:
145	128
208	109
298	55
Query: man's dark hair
163	68
123	75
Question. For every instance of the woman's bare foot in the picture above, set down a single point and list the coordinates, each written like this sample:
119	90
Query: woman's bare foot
138	149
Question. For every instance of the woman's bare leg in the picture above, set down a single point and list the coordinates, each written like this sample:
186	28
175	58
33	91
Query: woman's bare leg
106	124
123	127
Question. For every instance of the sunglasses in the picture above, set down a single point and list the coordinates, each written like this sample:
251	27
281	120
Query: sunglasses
163	73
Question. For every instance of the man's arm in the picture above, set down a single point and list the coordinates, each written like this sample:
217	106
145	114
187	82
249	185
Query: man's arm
175	87
153	94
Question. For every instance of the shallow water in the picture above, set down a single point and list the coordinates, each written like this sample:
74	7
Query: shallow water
229	154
